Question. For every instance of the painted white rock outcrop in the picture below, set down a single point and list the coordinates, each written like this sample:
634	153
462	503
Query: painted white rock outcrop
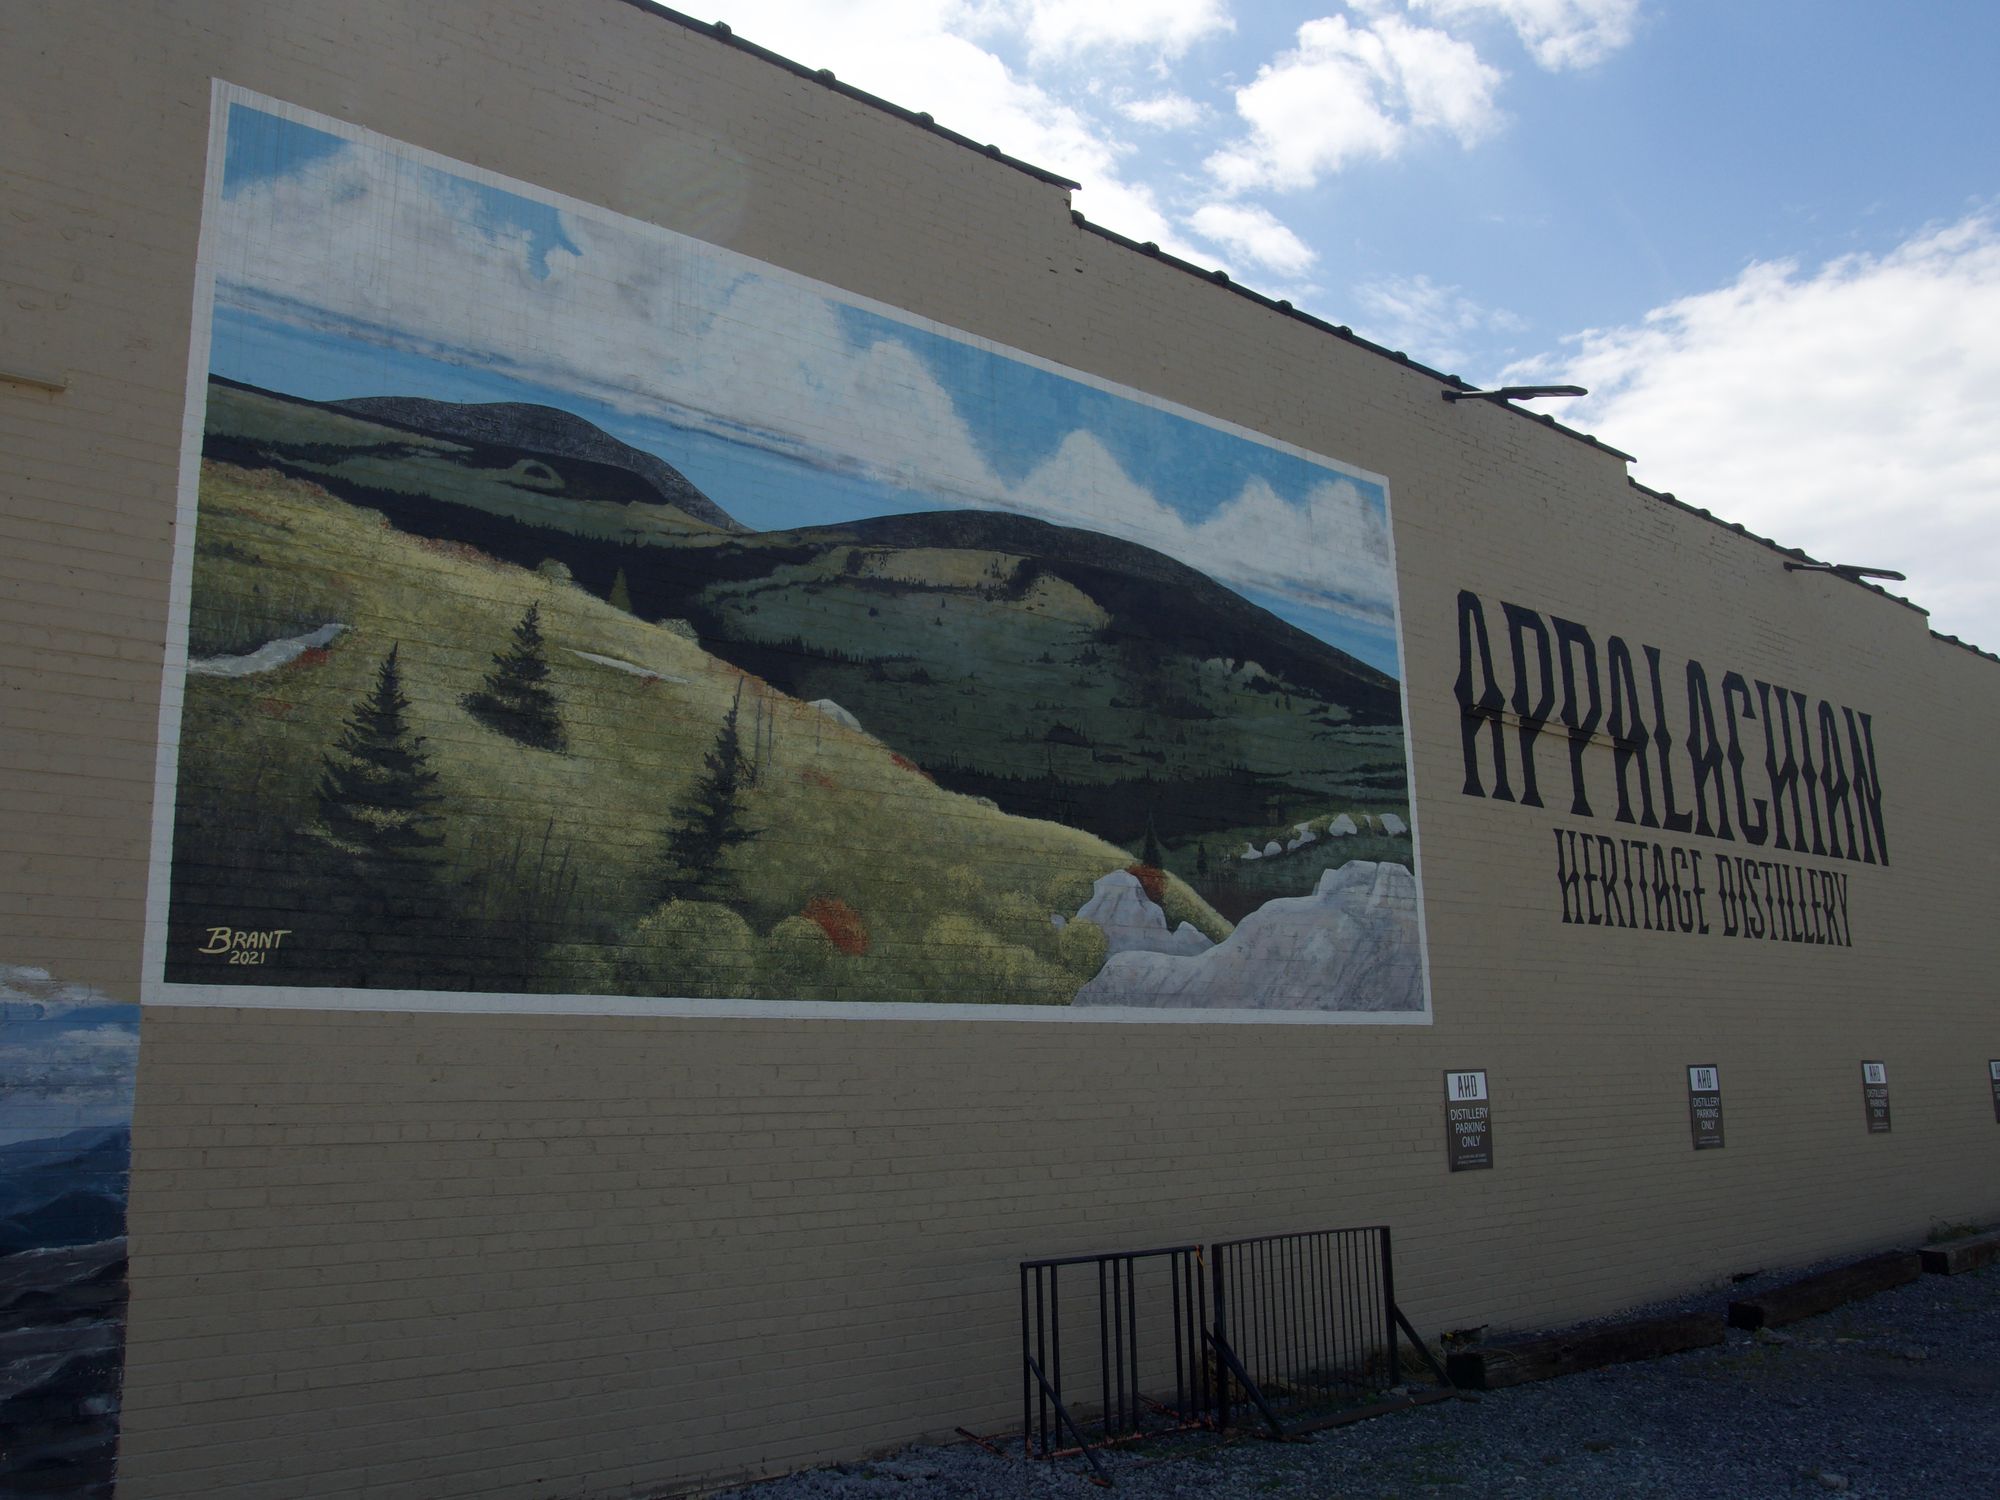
1341	826
1249	852
1394	826
1132	921
267	657
835	712
1351	945
1274	847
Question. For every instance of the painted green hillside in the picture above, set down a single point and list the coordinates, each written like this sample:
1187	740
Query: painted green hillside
381	795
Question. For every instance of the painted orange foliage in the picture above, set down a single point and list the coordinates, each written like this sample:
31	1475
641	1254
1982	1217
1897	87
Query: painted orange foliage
840	922
312	656
1153	880
903	762
816	778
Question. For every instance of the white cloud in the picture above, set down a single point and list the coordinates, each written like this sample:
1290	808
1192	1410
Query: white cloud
1557	33
1164	111
1255	234
1849	410
1425	320
1060	28
1351	92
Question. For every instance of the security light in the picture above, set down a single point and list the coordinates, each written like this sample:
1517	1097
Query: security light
1848	571
1516	393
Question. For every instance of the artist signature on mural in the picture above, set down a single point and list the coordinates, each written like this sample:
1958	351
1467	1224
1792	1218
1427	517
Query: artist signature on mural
244	945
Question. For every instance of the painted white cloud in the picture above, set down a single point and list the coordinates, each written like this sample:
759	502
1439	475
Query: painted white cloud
1425	320
58	1071
31	994
1558	34
1848	409
1256	539
1254	234
1349	92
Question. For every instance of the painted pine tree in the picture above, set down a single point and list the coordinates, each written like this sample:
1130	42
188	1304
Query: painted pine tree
1149	853
516	698
708	823
378	806
377	793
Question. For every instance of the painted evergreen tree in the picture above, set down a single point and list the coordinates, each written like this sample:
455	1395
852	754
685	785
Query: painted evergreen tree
377	793
516	699
709	822
621	593
1149	852
1201	860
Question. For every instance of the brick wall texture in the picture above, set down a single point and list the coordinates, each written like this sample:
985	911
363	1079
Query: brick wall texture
381	1253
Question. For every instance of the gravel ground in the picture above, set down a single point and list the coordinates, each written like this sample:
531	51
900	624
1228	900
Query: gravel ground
1893	1398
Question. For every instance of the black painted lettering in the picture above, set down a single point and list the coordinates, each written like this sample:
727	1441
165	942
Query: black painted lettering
1482	708
1532	712
1725	894
1867	787
1735	692
1663	745
1571	640
1607	861
1833	782
1567	876
1683	902
1628	733
1705	754
1808	772
1784	775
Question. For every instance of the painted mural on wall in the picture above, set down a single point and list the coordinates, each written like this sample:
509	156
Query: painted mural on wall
67	1054
577	609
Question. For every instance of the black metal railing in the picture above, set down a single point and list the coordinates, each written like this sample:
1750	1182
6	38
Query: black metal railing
1300	1326
1134	1340
1304	1319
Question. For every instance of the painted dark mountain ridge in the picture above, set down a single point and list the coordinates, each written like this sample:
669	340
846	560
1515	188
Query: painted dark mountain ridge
1147	593
547	430
64	1190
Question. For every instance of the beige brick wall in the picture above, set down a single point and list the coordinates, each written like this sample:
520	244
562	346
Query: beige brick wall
438	1255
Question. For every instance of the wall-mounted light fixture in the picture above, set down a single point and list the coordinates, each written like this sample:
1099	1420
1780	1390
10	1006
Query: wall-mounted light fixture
1848	571
1516	393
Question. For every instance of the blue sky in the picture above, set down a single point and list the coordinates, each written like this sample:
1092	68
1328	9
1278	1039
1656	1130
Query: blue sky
1761	231
349	268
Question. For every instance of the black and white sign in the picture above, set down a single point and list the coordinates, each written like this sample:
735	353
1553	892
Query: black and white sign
1705	1106
1875	1091
1468	1121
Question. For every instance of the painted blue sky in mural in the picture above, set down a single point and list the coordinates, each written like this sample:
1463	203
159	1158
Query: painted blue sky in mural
388	276
67	1056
